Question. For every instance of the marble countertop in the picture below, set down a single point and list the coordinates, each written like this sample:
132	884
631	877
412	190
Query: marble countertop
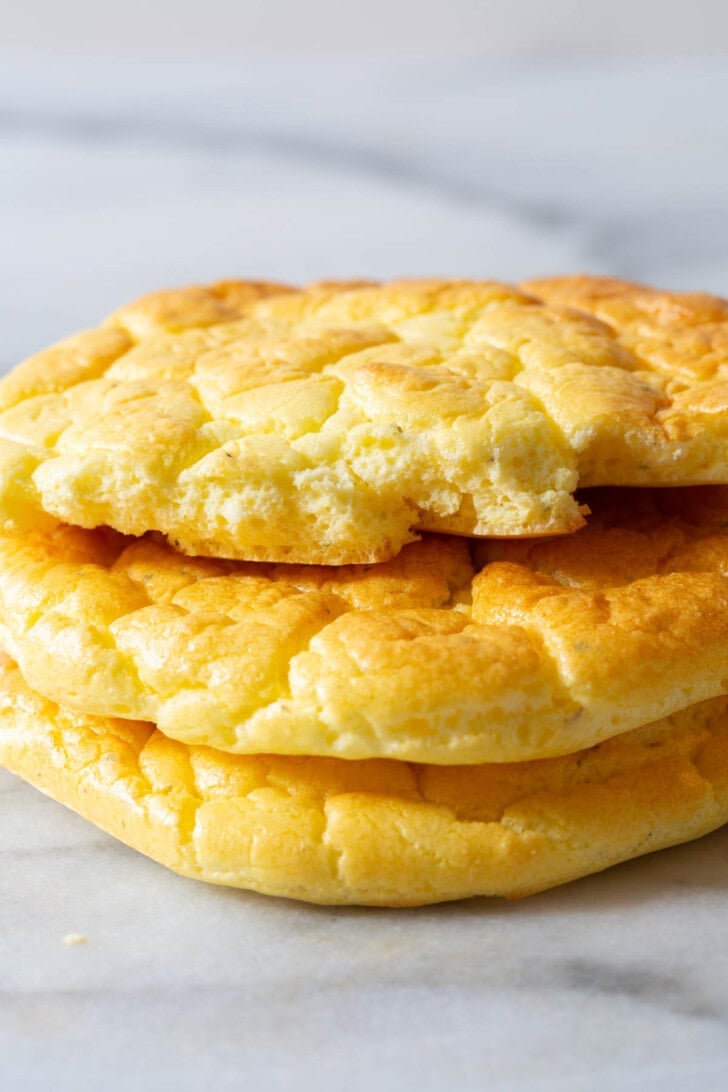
117	179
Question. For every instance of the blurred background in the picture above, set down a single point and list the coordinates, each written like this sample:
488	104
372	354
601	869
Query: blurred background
164	142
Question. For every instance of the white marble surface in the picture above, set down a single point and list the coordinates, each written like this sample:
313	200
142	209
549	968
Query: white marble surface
231	30
116	180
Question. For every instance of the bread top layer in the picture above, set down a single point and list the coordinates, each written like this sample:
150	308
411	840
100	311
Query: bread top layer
330	425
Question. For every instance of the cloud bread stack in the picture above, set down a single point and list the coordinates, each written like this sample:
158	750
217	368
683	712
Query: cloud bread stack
298	593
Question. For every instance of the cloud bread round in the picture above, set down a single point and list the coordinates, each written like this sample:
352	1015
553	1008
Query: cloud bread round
450	653
374	832
329	425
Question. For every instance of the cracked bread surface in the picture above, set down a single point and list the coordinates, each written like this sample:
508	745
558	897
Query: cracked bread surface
451	653
373	832
333	424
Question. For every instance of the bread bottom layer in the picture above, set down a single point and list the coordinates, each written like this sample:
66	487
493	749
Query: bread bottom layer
377	832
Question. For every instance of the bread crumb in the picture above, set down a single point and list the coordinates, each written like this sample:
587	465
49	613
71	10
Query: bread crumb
72	940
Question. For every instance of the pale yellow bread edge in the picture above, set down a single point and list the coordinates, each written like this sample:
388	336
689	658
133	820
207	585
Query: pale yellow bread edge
377	833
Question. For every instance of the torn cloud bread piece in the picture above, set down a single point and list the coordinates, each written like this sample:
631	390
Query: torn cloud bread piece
377	832
329	425
522	650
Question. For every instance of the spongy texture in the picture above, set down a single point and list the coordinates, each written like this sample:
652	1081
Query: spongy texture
329	425
523	650
376	832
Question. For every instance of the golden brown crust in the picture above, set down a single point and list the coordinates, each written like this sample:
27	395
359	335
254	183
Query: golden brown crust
679	338
377	832
177	309
329	425
552	646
